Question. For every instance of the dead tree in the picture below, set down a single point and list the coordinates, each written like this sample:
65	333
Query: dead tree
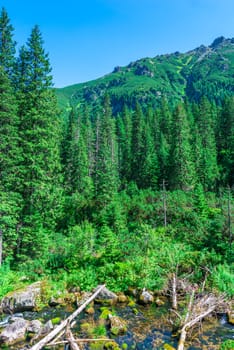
197	310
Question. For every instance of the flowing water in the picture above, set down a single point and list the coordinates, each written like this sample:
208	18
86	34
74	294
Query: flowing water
147	328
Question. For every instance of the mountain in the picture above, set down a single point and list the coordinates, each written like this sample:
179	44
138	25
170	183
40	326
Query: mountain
206	70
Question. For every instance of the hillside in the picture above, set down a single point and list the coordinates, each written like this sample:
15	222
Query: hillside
205	71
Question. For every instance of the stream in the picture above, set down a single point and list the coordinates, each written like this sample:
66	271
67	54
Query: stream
147	328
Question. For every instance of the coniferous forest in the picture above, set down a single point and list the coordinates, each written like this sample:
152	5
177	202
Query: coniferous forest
124	196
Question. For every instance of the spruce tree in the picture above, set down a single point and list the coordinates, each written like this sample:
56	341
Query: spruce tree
40	136
206	126
124	135
182	167
106	162
226	141
10	158
137	145
7	44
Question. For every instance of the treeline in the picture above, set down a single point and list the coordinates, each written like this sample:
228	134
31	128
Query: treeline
125	199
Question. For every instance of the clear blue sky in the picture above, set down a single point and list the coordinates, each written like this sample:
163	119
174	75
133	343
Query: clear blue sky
88	38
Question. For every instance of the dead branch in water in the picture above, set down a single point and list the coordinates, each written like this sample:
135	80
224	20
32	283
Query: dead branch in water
197	310
49	337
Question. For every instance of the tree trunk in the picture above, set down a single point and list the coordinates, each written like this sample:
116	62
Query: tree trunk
174	292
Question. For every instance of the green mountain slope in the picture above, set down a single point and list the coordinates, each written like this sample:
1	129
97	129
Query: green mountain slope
204	71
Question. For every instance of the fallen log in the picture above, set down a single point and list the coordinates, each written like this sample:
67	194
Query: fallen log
83	340
49	337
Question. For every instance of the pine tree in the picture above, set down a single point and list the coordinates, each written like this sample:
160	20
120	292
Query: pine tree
182	167
10	157
40	136
7	44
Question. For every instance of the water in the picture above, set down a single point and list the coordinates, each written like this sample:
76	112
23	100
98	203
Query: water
147	329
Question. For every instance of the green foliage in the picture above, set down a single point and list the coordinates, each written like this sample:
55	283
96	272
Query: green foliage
118	192
9	280
227	345
222	279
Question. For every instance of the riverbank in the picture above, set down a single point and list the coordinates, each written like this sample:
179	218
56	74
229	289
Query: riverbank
148	324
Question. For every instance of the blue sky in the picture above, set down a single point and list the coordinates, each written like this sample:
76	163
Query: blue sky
86	39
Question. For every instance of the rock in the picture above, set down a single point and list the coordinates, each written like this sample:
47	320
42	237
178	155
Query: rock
14	332
48	326
168	347
90	310
122	298
159	302
146	297
231	317
22	300
56	301
117	325
106	297
111	345
35	327
132	291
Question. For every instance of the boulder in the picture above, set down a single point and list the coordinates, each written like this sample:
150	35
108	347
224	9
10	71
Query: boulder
122	298
34	327
146	297
106	297
21	300
48	326
14	332
56	301
117	325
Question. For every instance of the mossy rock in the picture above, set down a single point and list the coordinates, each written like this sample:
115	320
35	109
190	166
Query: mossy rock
86	327
106	302
105	313
159	302
117	325
122	298
90	310
168	347
111	345
132	304
55	321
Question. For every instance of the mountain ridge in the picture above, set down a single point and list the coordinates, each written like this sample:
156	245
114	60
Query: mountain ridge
205	70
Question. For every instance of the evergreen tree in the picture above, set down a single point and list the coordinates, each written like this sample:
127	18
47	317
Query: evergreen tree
226	141
137	145
164	139
10	157
77	160
124	134
40	136
106	165
150	167
7	44
182	167
206	126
